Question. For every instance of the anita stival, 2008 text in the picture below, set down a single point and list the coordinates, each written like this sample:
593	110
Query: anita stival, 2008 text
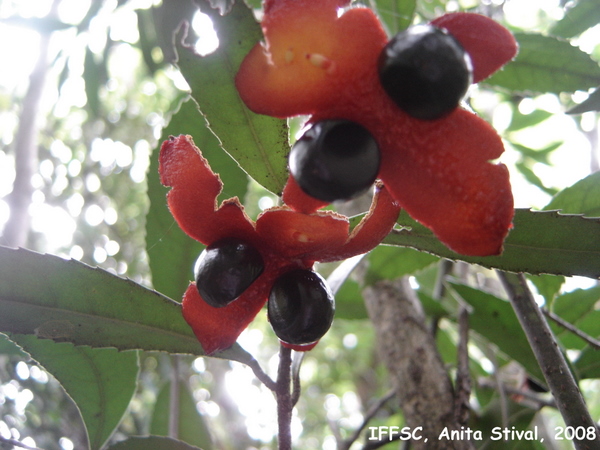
384	433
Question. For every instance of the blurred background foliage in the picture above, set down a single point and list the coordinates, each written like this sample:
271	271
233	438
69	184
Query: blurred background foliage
87	88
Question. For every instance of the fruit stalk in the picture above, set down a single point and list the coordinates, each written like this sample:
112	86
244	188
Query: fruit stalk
284	398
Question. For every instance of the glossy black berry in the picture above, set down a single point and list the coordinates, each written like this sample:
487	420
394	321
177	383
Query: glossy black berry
300	307
225	269
425	71
335	160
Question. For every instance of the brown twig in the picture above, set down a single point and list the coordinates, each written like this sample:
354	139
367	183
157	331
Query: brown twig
560	380
16	443
572	328
375	445
260	374
445	267
284	398
463	375
347	443
519	392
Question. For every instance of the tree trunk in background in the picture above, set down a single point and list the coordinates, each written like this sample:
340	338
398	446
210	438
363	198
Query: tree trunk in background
17	228
417	372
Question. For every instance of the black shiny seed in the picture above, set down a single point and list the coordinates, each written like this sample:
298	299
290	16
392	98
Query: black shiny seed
335	160
225	269
300	307
425	71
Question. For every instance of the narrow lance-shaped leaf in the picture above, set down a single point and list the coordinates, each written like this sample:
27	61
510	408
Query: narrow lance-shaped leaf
258	143
581	198
101	382
592	103
540	242
582	15
68	301
547	64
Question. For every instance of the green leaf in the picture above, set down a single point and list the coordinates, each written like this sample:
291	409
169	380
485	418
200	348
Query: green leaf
192	427
592	103
548	286
148	37
540	155
349	302
152	443
100	381
396	15
93	79
258	143
533	179
578	18
540	242
495	319
8	347
588	363
171	252
575	304
501	414
431	306
519	121
547	64
581	198
68	301
392	262
578	308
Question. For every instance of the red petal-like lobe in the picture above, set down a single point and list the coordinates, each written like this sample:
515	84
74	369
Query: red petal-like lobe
219	328
376	225
192	199
488	43
294	197
295	235
442	177
310	57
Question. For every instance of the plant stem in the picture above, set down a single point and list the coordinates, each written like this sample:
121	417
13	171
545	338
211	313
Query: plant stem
284	398
572	328
174	396
346	444
463	375
16	443
560	380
